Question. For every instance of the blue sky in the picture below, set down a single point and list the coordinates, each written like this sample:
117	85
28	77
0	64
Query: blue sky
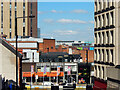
66	20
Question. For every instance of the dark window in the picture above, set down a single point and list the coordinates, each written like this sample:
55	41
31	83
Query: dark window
24	54
10	34
23	31
10	22
51	47
23	13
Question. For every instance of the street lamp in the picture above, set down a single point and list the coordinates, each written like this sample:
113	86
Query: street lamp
17	47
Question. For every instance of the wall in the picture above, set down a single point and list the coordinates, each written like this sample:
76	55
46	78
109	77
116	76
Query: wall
7	63
48	44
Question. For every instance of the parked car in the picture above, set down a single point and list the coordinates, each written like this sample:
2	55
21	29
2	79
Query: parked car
46	83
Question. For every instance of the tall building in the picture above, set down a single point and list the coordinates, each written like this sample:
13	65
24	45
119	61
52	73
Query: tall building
107	43
11	9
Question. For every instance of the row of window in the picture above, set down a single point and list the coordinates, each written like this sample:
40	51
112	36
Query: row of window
10	19
1	17
104	55
23	18
105	37
11	16
31	21
99	72
104	20
103	4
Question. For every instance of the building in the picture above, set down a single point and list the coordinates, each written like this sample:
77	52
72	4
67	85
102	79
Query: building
79	47
74	43
8	62
11	9
49	63
38	32
107	49
33	47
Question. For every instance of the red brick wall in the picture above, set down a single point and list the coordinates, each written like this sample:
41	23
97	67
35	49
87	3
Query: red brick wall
90	55
49	45
41	47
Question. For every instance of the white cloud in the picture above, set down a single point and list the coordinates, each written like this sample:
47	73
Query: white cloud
79	11
53	11
48	20
65	32
91	22
77	21
40	12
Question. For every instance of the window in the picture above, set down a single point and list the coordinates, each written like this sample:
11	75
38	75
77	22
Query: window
31	8
10	34
111	51
10	22
99	38
1	15
33	57
23	13
31	27
112	18
51	47
103	20
107	37
103	37
103	71
102	55
23	31
107	53
24	55
99	21
107	19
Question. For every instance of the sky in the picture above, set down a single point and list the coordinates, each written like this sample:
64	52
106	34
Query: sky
66	20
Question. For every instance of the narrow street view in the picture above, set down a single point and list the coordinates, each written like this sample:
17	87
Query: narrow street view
59	45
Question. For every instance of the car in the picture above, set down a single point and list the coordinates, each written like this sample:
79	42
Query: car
46	83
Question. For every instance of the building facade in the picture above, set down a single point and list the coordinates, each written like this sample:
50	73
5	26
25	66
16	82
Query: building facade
8	62
106	36
11	9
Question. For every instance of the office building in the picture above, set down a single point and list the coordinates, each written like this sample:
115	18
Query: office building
107	49
11	9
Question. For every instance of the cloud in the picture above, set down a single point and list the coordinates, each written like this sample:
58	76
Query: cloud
65	32
91	22
79	11
54	11
40	12
77	21
48	20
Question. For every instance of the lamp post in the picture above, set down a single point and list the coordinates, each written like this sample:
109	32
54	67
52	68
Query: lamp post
17	47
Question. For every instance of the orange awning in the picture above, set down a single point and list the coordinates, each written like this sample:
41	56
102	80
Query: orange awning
27	74
40	74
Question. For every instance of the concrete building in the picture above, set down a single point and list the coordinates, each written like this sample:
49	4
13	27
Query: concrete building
8	62
106	36
11	9
74	43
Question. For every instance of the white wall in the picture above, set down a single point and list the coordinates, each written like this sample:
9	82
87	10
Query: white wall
29	54
7	63
25	45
